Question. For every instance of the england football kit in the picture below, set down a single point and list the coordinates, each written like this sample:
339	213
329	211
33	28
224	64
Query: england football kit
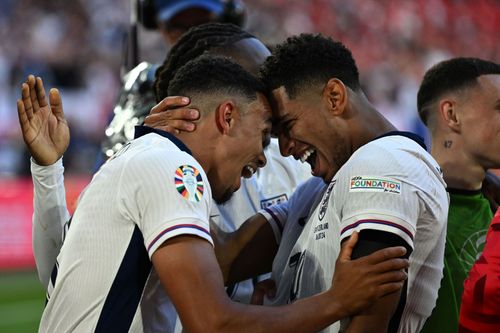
152	190
390	185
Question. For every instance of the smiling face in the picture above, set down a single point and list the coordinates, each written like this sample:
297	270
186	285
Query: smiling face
241	151
479	114
310	132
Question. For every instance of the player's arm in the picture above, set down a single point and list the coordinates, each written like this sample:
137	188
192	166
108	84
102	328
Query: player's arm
188	271
46	135
385	314
248	251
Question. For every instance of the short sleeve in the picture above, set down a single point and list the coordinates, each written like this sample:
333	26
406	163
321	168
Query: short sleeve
168	195
382	193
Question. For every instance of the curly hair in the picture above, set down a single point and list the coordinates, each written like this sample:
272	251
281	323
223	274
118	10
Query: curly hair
193	44
450	76
214	74
309	59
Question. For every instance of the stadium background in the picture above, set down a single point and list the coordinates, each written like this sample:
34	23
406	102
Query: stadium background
76	46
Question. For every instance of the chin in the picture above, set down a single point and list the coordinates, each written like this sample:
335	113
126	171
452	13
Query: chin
223	197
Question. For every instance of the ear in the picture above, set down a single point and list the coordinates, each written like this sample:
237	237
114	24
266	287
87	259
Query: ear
335	94
448	114
225	116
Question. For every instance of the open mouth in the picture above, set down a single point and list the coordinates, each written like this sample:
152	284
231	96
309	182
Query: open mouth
248	171
309	156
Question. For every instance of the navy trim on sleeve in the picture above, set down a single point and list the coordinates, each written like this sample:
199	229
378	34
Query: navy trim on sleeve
143	130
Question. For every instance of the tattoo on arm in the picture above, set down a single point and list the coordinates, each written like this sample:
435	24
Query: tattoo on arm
448	143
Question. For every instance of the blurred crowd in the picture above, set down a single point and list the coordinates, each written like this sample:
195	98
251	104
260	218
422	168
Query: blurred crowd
77	46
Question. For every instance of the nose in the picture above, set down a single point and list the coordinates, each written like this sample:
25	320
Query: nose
262	160
286	144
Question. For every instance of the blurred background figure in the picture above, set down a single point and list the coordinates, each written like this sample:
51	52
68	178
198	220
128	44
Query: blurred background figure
77	47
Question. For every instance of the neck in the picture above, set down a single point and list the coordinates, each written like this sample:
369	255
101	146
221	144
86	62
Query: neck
367	123
201	146
460	171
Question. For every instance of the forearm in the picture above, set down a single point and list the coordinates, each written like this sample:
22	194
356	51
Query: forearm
307	315
377	317
249	251
50	214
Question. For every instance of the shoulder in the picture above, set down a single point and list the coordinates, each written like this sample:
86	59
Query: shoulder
154	154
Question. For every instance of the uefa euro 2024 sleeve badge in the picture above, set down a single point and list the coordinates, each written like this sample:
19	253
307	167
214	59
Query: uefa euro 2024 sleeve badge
189	183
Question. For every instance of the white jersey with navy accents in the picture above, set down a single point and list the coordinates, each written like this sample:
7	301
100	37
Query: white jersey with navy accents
152	190
390	184
288	220
273	184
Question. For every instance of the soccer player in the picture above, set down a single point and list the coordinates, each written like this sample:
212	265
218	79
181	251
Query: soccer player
459	101
271	184
381	182
151	201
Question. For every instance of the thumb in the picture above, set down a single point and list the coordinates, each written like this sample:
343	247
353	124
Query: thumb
348	246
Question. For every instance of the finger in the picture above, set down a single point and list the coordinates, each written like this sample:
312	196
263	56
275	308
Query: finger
168	103
40	92
348	247
263	288
183	114
392	276
159	120
23	118
257	297
391	265
25	95
389	288
385	254
32	90
56	103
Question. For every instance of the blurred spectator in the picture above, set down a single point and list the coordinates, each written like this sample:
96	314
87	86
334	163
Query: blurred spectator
76	46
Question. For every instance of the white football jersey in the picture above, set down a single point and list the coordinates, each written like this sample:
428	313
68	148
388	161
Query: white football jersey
390	184
150	191
280	177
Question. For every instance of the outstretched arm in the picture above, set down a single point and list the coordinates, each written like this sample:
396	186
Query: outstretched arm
46	134
187	263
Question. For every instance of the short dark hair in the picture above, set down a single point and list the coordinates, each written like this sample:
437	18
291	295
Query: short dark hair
213	74
191	45
309	58
450	76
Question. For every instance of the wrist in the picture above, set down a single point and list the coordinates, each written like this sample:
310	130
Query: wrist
336	308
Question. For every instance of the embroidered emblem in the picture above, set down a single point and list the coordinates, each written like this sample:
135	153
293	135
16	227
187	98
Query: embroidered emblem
273	201
189	183
374	184
324	201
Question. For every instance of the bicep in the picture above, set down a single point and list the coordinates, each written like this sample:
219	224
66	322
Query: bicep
385	314
188	271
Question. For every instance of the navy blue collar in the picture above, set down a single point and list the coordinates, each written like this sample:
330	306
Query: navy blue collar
412	136
143	130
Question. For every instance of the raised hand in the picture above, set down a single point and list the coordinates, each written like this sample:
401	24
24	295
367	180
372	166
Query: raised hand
178	118
358	283
44	128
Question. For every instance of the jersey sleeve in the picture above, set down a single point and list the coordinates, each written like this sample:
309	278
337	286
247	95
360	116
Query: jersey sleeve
49	216
382	193
300	205
276	216
169	195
